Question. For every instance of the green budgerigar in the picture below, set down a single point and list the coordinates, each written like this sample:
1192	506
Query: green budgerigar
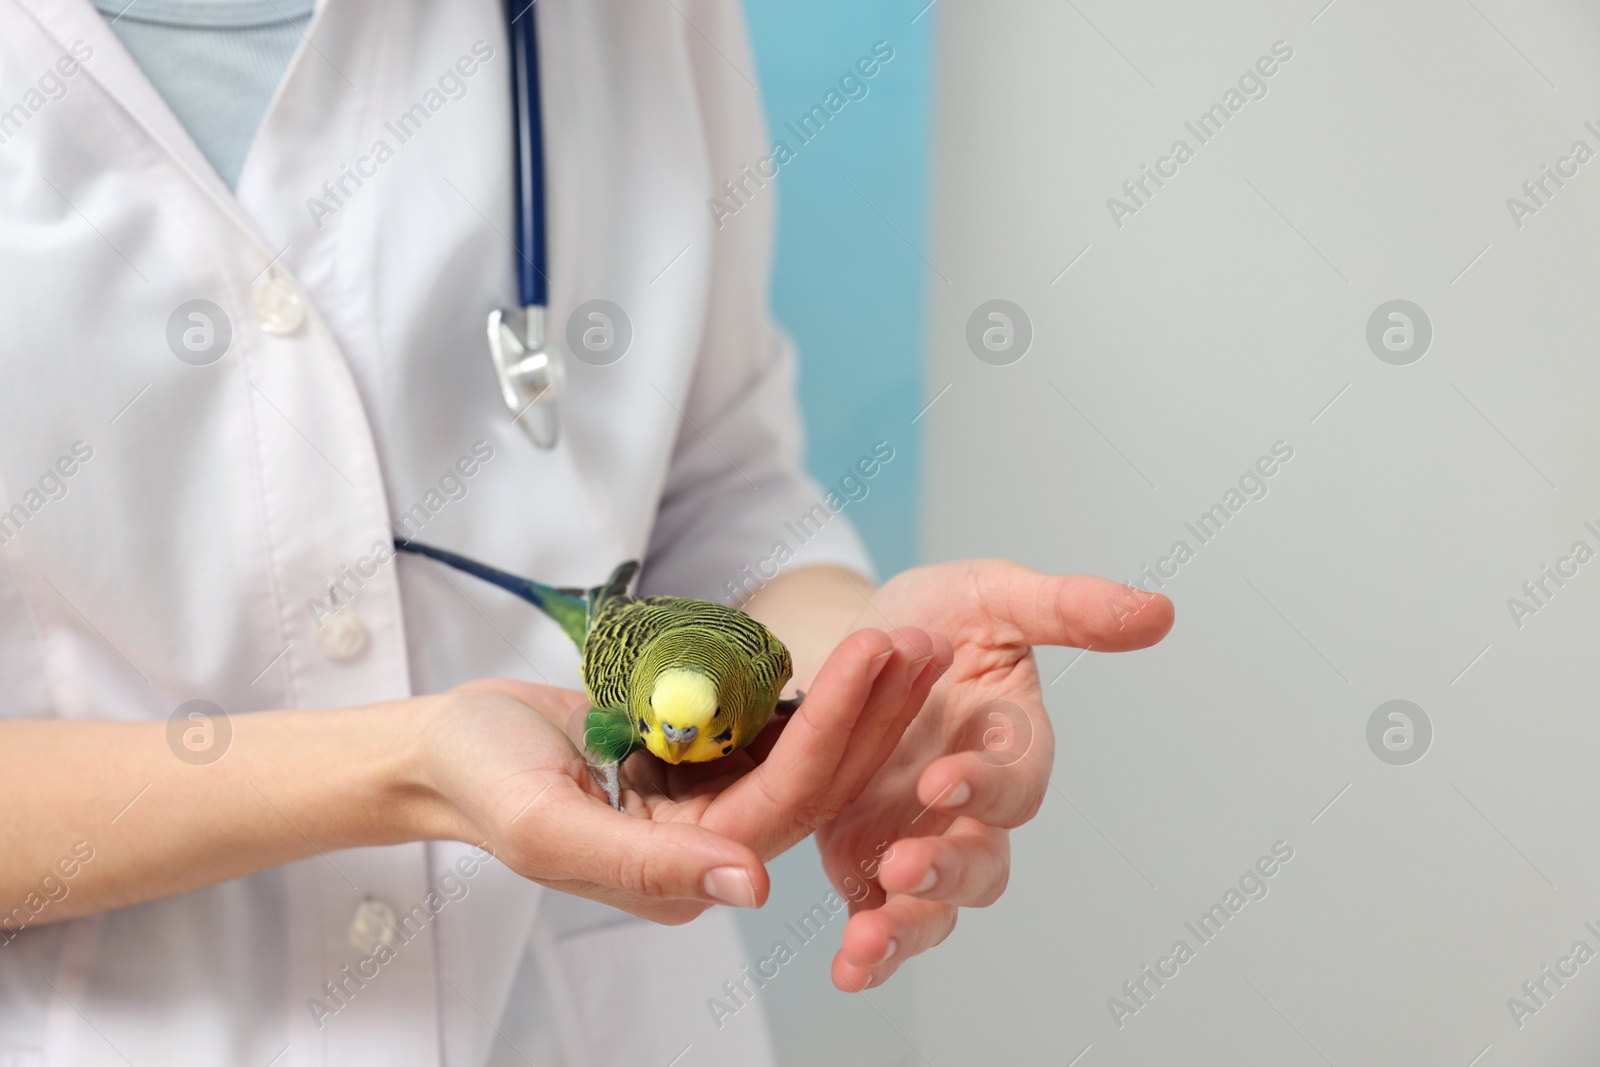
689	680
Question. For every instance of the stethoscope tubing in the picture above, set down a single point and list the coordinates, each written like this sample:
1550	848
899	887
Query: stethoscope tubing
533	276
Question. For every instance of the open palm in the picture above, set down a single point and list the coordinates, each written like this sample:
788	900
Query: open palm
930	833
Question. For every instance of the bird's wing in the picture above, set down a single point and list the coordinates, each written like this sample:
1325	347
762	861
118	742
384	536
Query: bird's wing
610	736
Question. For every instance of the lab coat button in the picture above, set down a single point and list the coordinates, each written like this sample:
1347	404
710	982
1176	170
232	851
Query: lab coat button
279	307
371	926
342	635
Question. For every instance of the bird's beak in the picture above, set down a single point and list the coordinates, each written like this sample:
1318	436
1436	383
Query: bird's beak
675	741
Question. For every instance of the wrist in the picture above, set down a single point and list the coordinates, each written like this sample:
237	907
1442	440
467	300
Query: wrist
811	610
365	776
411	805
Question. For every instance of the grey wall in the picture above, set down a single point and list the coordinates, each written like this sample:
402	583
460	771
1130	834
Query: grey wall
1226	315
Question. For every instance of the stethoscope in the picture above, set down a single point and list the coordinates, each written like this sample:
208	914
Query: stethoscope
532	376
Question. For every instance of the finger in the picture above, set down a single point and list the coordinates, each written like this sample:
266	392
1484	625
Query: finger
850	857
764	804
1003	784
759	749
967	865
564	708
569	835
1078	610
877	943
896	698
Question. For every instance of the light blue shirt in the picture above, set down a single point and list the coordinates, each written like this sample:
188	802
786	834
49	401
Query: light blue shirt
217	63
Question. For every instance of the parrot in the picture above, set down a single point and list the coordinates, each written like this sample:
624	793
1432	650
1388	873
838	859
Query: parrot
688	680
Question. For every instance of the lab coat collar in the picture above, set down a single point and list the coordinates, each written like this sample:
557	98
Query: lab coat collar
121	77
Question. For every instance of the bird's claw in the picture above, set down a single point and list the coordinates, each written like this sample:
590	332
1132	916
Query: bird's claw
606	775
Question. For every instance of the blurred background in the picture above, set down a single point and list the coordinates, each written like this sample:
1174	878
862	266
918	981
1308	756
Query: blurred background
1294	324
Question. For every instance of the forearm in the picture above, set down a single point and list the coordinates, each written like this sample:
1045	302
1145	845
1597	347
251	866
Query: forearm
290	783
811	610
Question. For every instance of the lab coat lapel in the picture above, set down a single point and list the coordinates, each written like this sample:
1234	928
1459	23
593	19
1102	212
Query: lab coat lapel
116	72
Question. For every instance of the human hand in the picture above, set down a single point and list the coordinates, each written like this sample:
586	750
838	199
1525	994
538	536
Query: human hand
504	754
929	834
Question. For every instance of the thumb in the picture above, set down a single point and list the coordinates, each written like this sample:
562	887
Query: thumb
1075	610
580	837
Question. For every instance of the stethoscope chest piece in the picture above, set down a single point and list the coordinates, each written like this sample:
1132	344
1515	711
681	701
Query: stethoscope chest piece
532	375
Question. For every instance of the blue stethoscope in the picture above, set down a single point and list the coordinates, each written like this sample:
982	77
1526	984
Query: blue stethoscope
532	375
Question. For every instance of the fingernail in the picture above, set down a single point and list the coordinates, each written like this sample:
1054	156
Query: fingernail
730	885
957	796
929	880
875	667
894	946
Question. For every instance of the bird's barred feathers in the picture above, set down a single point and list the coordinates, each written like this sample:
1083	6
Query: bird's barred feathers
688	679
625	627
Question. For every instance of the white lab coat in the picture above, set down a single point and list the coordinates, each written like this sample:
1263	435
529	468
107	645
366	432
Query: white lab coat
180	559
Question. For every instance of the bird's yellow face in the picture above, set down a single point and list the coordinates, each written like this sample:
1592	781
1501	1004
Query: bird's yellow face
678	725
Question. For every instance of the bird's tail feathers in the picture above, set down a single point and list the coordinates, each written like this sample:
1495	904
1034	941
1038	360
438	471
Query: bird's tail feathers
571	608
617	584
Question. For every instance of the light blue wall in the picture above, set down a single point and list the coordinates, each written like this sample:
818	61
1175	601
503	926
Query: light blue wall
850	290
847	285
